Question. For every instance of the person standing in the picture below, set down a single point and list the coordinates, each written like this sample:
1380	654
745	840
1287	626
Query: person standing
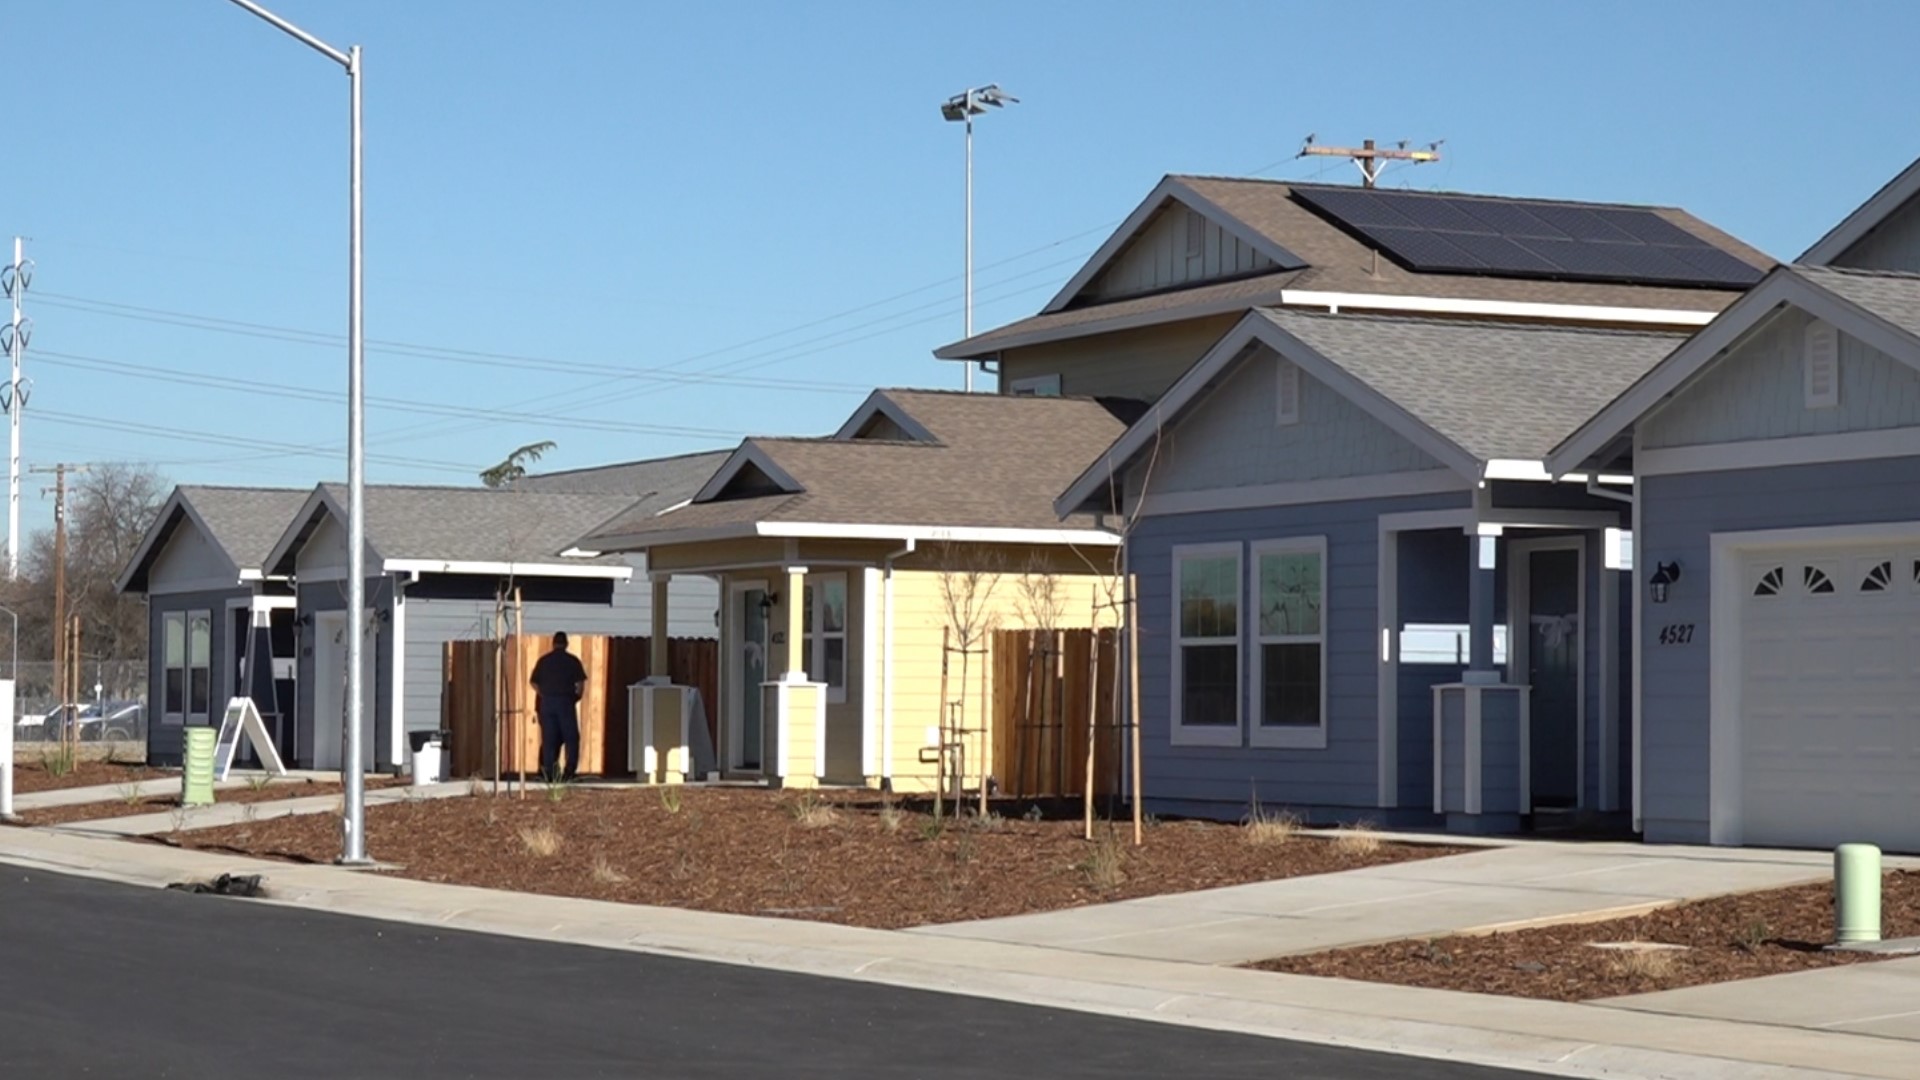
558	681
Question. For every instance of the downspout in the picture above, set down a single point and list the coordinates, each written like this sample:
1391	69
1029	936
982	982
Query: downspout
886	672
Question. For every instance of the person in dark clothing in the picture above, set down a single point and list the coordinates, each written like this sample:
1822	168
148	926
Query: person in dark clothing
558	681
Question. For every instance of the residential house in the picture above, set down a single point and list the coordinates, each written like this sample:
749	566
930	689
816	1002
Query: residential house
440	563
1777	522
1354	391
212	608
856	568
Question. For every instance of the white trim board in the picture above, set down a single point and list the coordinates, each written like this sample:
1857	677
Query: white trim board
1780	453
1865	218
1305	492
506	569
1451	305
809	530
1520	641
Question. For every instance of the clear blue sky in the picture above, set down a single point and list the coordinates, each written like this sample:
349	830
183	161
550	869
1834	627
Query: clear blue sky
767	191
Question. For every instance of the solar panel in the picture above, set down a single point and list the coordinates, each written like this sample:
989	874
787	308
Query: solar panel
1526	238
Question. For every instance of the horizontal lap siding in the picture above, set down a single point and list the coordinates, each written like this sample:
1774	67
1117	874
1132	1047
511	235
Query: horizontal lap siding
1345	773
1679	515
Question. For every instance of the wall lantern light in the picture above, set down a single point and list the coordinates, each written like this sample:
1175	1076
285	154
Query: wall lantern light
767	600
1664	575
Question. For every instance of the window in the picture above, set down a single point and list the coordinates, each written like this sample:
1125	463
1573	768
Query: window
199	663
1289	659
1822	363
1286	395
825	619
173	657
1445	643
1037	386
1206	645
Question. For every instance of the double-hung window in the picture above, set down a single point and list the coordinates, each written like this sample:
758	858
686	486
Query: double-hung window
825	620
186	657
1206	645
1289	596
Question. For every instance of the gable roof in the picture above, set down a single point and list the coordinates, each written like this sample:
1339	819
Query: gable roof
655	483
462	530
1332	267
242	523
1881	308
1865	218
1467	392
989	472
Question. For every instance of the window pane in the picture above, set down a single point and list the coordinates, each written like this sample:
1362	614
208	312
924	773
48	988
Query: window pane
1289	594
834	613
1209	590
201	681
836	673
1209	685
176	689
176	643
200	640
1289	686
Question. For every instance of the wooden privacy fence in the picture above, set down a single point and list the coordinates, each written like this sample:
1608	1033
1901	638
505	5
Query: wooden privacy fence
488	678
1052	691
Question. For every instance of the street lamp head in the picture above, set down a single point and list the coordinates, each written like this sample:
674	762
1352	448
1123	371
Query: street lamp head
973	102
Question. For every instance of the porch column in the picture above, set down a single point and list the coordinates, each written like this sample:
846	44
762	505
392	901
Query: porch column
796	624
1484	545
657	660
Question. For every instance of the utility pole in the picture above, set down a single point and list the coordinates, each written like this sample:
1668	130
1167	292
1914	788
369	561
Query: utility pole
15	279
1371	159
62	632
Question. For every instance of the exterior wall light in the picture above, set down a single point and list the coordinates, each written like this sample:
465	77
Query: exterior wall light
1664	575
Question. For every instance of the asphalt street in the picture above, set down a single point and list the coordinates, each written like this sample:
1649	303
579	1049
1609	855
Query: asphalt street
106	980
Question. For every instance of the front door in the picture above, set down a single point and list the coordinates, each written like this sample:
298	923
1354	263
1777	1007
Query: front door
1554	641
330	692
753	671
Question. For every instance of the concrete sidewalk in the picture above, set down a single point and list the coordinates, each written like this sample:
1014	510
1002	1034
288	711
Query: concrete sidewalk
1880	999
1549	1037
1481	890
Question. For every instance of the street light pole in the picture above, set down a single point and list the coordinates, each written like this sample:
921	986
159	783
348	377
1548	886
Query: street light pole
965	106
354	842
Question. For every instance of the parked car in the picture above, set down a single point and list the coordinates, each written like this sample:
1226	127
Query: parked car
113	720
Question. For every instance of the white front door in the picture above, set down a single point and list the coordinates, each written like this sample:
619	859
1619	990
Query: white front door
330	691
1829	696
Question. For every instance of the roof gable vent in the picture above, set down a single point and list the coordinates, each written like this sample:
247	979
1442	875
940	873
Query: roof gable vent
1821	361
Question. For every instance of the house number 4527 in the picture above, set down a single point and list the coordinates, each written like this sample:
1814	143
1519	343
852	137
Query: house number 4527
1677	634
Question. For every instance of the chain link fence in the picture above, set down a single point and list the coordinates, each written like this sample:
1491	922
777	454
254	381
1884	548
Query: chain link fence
112	705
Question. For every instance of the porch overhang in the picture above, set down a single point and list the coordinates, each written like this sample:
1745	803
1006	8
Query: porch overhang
810	530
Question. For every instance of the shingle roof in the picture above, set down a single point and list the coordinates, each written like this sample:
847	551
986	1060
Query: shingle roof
477	524
998	462
1892	295
1338	262
672	478
1497	390
245	522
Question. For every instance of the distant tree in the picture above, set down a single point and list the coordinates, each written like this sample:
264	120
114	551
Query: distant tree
515	465
109	509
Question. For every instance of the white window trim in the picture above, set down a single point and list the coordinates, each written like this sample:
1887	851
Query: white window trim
1179	733
186	701
1292	738
1821	341
173	718
817	650
1286	392
1036	386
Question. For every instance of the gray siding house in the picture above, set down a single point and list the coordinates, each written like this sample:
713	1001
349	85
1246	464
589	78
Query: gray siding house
439	561
1778	456
211	608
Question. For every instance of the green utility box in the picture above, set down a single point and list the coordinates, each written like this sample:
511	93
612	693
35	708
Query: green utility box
196	779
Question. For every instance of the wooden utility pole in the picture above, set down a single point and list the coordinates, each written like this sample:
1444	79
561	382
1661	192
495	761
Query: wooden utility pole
62	635
1371	159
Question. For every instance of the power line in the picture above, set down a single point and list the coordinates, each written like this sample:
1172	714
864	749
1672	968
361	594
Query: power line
96	423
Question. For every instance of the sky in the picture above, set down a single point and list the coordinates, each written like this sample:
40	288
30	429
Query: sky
638	228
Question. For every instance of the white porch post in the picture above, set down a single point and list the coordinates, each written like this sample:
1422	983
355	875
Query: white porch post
657	646
796	624
1484	562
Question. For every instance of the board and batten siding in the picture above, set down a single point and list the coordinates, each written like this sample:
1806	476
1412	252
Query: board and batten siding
1234	438
1679	515
1758	391
1139	363
1895	245
1178	247
1341	780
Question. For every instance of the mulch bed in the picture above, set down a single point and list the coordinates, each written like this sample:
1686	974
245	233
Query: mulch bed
1729	937
33	775
120	807
756	852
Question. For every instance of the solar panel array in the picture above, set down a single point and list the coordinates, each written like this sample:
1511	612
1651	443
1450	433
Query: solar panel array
1522	238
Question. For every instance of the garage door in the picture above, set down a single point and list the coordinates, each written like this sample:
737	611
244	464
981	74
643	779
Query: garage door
1830	697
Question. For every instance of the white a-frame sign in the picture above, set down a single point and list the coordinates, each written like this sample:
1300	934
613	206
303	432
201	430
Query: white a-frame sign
243	718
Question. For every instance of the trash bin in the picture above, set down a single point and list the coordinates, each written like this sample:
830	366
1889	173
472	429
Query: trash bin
196	778
426	763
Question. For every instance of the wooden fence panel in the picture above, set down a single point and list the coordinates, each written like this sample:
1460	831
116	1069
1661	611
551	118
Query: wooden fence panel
488	679
1047	686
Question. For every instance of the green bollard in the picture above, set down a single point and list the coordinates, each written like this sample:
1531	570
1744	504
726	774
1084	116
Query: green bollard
196	779
1856	893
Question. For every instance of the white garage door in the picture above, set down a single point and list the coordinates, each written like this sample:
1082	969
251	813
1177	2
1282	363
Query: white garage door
1830	697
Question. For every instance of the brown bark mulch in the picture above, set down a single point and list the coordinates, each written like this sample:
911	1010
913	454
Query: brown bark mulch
842	858
121	807
33	775
1727	938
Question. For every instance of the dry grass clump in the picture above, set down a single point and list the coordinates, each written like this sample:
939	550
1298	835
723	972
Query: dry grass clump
541	841
1269	829
1357	838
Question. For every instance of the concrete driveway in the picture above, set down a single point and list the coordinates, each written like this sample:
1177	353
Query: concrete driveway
1880	999
1526	883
